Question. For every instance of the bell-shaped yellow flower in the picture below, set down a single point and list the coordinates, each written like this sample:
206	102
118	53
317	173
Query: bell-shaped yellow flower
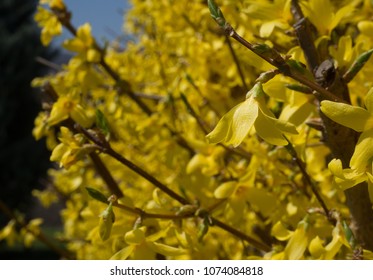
49	23
66	107
84	44
145	247
324	16
234	126
71	149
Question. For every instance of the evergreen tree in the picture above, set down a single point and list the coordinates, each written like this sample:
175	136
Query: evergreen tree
22	159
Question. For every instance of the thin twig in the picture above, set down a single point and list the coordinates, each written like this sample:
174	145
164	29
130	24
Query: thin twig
123	85
146	215
303	31
237	62
108	150
241	235
150	178
307	177
286	70
106	175
48	63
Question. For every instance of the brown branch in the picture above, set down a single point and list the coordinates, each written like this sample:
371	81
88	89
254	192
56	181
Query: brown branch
307	178
241	235
108	150
341	141
105	174
237	62
303	31
282	66
150	178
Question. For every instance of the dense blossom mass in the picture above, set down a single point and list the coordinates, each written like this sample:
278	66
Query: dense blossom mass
203	139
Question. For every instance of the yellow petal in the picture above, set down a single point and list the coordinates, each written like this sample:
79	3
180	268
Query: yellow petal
225	190
74	45
58	152
84	34
350	116
363	151
298	243
166	250
79	115
124	253
197	162
335	167
280	232
316	248
236	124
333	247
366	27
136	236
369	101
340	14
93	55
266	129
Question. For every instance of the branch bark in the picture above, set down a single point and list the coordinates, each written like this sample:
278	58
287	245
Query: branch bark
340	139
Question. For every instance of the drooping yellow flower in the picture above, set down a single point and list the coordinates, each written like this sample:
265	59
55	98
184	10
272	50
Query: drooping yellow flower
360	120
49	23
65	107
71	149
83	44
274	14
235	125
322	14
145	247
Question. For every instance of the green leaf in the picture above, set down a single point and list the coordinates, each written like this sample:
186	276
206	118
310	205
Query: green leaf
299	67
299	88
96	194
102	122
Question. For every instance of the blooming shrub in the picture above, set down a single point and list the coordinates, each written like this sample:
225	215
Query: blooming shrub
247	137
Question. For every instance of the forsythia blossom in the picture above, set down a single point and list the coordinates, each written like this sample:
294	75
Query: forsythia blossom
236	124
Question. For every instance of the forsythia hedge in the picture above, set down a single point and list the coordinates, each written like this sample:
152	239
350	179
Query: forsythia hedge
238	129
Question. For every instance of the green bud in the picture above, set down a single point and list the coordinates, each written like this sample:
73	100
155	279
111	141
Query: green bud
299	88
102	122
186	210
357	65
107	218
203	228
266	76
349	235
216	13
257	91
